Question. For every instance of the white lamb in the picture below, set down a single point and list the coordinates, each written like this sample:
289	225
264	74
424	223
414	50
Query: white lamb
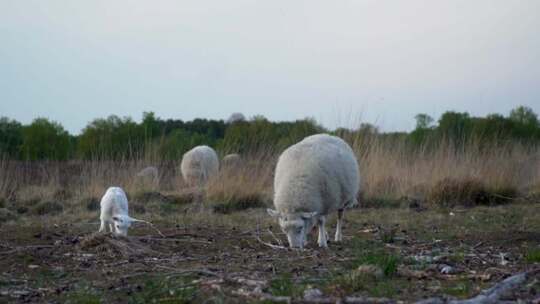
231	160
313	178
114	212
199	165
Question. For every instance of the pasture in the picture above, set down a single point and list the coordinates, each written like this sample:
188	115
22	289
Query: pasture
426	227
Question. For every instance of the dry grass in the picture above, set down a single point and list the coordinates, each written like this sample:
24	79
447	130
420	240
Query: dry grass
390	172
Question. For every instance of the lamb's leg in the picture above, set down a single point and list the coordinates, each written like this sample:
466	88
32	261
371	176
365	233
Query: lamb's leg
111	227
339	236
322	232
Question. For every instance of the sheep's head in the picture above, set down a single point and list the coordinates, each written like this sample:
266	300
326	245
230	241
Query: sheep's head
122	224
295	225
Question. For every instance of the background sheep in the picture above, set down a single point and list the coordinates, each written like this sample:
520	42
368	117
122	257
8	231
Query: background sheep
199	164
314	177
114	212
148	176
231	160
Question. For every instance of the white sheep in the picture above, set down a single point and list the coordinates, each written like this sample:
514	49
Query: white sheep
231	160
199	164
313	178
114	212
149	175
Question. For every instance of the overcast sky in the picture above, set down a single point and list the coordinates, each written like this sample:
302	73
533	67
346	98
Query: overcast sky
379	61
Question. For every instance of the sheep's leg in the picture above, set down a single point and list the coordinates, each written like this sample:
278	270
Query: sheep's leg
339	236
102	226
322	232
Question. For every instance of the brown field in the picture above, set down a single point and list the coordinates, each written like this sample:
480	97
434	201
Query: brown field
474	211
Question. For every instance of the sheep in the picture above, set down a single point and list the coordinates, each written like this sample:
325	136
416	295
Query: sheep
114	212
313	178
231	160
148	175
199	164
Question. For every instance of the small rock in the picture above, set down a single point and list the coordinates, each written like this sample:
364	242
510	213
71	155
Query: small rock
33	266
312	294
446	269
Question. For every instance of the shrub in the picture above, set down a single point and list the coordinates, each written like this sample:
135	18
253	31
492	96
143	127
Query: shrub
238	203
91	203
48	207
6	215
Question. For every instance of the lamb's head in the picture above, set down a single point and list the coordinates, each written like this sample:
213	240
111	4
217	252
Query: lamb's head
295	225
122	224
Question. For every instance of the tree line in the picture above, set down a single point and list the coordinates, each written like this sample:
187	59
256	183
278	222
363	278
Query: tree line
115	137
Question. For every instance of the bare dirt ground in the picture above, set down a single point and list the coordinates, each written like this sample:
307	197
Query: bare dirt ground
388	255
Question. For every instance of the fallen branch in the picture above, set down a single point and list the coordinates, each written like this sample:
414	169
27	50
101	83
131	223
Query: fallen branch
491	295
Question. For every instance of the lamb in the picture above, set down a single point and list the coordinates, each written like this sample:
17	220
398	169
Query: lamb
114	212
313	178
231	160
199	165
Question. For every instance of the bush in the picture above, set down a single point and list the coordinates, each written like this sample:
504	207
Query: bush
469	192
450	192
91	203
240	203
48	207
6	215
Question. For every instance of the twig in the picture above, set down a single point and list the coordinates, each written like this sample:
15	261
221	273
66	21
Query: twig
26	248
275	238
270	245
173	240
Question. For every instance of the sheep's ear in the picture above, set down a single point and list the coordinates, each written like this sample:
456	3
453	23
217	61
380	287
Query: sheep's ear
272	212
136	220
308	215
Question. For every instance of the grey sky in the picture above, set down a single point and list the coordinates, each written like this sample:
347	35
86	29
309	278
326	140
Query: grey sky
337	61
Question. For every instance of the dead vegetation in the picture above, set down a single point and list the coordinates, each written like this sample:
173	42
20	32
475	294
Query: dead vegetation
444	225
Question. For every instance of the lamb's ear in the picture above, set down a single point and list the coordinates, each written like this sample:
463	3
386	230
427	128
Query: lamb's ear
272	212
117	219
308	215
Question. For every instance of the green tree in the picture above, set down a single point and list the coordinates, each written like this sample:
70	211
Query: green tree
11	137
44	139
423	121
113	137
524	115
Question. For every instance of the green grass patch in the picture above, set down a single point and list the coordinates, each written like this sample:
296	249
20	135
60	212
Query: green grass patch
179	290
533	255
284	286
387	262
460	289
84	295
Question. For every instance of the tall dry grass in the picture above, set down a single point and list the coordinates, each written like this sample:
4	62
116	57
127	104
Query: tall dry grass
389	170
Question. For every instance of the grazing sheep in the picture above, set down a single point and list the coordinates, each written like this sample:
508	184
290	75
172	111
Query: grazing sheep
313	178
199	164
114	212
231	160
149	175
